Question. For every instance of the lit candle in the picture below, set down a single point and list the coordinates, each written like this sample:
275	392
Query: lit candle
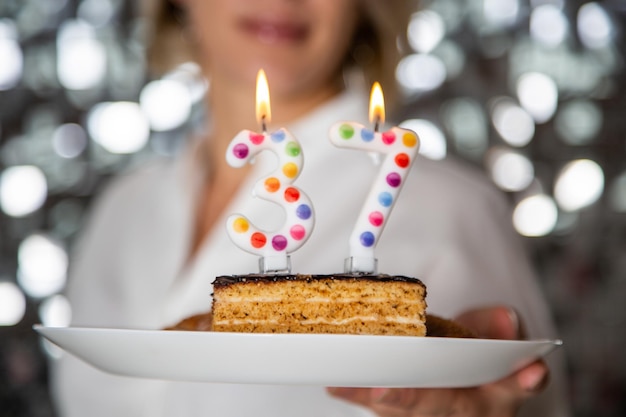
400	147
273	247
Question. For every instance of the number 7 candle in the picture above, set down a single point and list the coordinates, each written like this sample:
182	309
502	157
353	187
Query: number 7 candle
273	247
399	147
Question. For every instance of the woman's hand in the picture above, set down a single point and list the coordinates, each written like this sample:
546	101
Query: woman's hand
498	399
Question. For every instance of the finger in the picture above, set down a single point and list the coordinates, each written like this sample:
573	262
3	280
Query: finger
497	322
395	402
402	398
416	402
521	385
533	378
360	396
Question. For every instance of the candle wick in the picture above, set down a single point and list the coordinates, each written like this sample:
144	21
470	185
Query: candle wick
263	124
376	123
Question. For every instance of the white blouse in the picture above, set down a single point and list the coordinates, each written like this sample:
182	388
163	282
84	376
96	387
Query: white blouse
449	227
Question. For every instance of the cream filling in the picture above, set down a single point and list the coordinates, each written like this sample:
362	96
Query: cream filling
245	321
396	319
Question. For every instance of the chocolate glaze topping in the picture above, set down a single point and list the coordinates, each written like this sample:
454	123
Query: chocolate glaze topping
226	280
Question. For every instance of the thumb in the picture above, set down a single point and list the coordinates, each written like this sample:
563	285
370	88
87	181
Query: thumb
496	322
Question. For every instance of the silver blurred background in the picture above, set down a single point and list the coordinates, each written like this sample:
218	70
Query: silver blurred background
531	91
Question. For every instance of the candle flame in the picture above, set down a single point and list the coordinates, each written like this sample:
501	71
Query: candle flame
377	105
263	109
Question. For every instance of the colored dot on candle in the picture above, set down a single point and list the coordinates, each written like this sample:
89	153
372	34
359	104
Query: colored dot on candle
385	199
367	135
240	150
258	240
297	232
367	239
292	149
346	131
409	139
290	170
292	194
303	211
376	218
389	137
272	184
402	160
256	138
278	136
394	179
279	242
241	225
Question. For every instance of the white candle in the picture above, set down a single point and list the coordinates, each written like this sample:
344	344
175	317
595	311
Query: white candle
399	147
273	247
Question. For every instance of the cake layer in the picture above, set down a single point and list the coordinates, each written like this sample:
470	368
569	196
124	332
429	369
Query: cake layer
343	303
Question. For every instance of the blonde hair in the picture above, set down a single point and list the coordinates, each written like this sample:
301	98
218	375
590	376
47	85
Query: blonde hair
378	44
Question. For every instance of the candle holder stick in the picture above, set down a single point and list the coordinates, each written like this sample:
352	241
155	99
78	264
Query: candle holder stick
361	265
275	265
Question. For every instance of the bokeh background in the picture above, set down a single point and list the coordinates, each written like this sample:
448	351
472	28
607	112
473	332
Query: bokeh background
531	91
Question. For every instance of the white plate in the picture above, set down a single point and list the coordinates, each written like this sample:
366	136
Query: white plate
298	359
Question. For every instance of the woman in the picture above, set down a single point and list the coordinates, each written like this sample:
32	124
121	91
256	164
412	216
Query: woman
156	237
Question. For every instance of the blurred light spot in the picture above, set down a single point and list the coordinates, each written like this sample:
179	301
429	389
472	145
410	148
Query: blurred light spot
97	12
42	266
579	184
190	75
617	194
68	177
535	216
12	304
577	73
466	121
11	57
55	311
511	171
501	12
52	7
537	94
595	28
556	3
81	62
420	72
23	190
69	140
548	25
566	223
452	15
578	122
432	140
452	56
120	127
40	72
513	123
426	29
8	29
494	44
66	217
166	103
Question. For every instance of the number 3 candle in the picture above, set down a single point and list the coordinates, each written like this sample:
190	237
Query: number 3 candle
273	247
400	147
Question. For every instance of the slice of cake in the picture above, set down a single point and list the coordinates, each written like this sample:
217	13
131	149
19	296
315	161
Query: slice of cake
342	303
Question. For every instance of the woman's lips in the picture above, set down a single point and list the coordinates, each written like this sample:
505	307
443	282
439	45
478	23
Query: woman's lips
274	31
